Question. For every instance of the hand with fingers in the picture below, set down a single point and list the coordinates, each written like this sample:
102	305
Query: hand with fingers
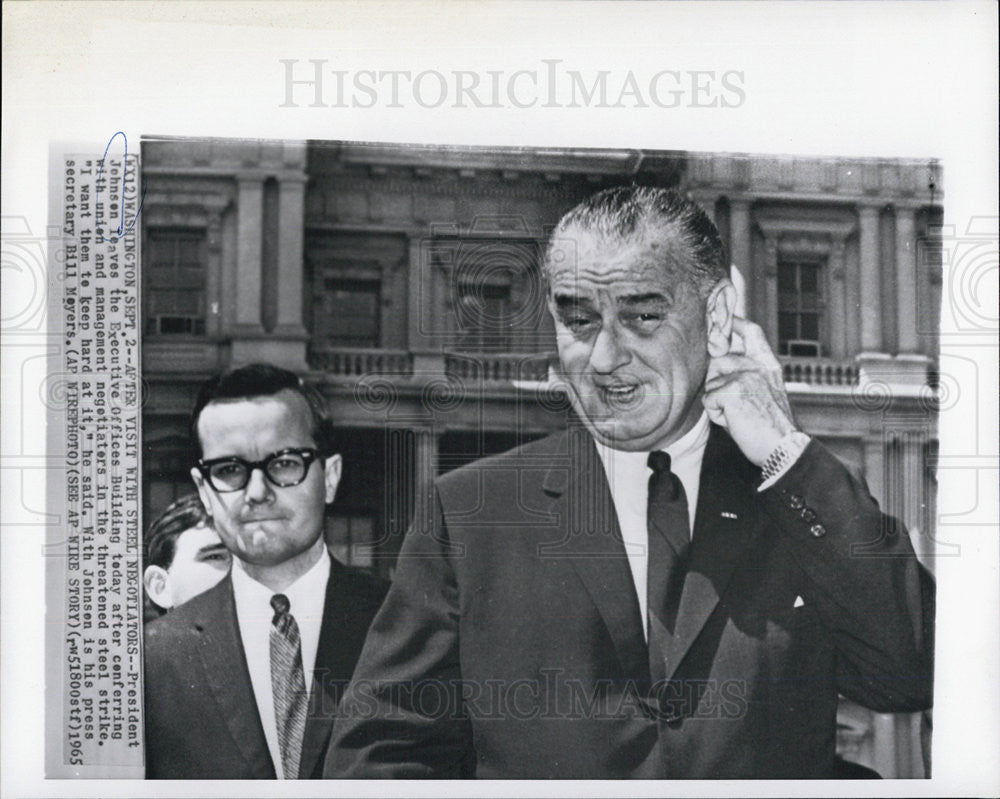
745	393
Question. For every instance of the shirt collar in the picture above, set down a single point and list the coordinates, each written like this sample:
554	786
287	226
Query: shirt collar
692	442
305	595
689	445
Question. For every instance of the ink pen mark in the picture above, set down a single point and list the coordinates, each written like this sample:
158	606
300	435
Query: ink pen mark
122	230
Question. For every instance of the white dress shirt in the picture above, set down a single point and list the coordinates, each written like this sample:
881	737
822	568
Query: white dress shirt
628	477
307	596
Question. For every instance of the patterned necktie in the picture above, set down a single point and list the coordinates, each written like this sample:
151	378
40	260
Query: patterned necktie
288	685
669	544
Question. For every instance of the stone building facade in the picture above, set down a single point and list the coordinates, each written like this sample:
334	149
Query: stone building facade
404	282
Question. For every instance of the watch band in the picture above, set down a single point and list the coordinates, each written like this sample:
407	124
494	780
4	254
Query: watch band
783	456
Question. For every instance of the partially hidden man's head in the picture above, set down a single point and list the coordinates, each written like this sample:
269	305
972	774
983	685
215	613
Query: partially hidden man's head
266	466
638	286
184	555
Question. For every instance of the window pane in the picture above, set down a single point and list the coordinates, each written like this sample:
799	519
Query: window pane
351	311
787	327
786	278
174	325
788	302
809	326
189	251
484	312
800	298
808	277
175	282
496	305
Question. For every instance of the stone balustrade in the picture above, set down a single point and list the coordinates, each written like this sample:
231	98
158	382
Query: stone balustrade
348	362
819	372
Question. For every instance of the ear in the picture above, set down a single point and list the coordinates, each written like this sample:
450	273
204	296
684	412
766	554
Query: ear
719	310
331	476
157	584
203	492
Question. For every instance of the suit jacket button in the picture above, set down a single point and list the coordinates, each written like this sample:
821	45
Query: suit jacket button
808	515
817	530
796	502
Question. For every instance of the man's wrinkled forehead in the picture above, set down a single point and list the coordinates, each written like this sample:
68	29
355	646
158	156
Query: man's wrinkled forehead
580	260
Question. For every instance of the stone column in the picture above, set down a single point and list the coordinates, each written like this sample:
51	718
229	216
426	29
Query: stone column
424	308
285	346
837	315
213	298
769	313
291	231
906	280
740	251
739	234
871	280
418	293
248	255
909	367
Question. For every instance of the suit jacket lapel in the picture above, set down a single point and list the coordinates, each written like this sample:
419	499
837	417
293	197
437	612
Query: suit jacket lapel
592	543
727	485
332	669
347	614
228	678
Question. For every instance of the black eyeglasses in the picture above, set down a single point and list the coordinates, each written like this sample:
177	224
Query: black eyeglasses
285	468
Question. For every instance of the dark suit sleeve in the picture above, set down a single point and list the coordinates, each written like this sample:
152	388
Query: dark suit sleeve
402	714
866	582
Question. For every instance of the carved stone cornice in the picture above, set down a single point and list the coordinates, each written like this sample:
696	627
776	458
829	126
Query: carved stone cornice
817	179
805	228
212	202
530	187
590	161
804	244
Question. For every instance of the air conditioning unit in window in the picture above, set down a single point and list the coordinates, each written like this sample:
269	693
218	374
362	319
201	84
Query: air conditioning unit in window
800	348
180	325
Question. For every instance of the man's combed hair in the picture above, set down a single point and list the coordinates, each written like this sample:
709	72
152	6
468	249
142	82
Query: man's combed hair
161	537
264	380
632	212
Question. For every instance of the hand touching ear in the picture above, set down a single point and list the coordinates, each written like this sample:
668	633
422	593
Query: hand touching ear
745	392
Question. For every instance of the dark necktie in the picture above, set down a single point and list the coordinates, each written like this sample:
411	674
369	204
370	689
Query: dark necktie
288	685
669	542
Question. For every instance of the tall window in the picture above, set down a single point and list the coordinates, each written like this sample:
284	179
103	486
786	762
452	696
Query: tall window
175	283
484	315
350	313
800	307
496	294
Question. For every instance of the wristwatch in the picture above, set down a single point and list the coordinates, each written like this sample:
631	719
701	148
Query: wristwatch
782	457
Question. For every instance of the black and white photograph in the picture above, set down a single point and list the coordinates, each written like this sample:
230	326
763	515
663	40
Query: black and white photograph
551	395
498	339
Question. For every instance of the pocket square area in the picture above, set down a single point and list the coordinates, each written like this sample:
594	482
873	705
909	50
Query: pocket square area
799	602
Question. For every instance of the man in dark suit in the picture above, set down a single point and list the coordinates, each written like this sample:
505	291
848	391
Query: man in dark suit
243	681
677	587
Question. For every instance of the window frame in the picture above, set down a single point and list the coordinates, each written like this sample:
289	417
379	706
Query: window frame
819	310
152	322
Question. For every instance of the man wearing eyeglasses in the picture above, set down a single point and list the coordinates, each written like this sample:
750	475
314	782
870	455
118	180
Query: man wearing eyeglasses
243	681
